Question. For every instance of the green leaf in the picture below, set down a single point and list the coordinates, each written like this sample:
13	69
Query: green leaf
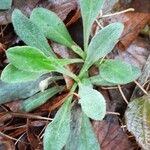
15	91
53	28
40	98
5	4
99	81
92	102
89	12
138	120
118	72
103	42
11	74
87	139
57	132
31	59
30	33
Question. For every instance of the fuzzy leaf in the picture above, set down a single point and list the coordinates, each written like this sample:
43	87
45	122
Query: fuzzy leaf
99	81
15	91
118	72
30	33
89	12
57	132
53	27
31	59
92	102
87	138
5	4
138	120
13	75
103	42
40	98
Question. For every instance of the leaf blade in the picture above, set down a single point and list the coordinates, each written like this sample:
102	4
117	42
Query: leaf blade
103	42
30	33
118	72
89	12
11	74
92	102
57	132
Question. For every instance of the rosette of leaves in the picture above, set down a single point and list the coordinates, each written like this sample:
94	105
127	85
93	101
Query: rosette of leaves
36	59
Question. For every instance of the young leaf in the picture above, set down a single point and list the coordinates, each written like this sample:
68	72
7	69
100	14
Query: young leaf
138	120
99	81
57	132
53	28
31	59
5	4
87	139
40	98
30	33
118	72
89	12
13	75
92	102
103	42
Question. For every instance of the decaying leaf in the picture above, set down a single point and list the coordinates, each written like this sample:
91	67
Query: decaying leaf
138	120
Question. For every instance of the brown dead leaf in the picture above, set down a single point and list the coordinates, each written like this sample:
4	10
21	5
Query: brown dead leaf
136	54
111	135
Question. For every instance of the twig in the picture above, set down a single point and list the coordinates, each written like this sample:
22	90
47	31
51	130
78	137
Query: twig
122	94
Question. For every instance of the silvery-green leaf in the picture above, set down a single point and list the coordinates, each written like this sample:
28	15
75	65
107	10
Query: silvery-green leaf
99	81
30	33
118	72
138	120
92	102
53	28
89	11
13	75
40	98
57	132
5	4
103	42
87	138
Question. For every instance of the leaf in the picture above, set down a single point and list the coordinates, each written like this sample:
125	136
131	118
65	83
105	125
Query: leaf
87	139
31	59
118	72
40	98
92	102
13	75
57	132
99	81
15	91
138	120
5	4
53	28
89	12
30	33
103	42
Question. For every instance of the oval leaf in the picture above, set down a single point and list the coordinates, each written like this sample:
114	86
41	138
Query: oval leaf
87	137
89	12
116	71
11	74
52	26
92	102
99	81
30	33
57	132
103	42
40	98
138	120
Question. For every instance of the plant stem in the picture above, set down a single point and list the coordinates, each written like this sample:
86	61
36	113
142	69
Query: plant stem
78	51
